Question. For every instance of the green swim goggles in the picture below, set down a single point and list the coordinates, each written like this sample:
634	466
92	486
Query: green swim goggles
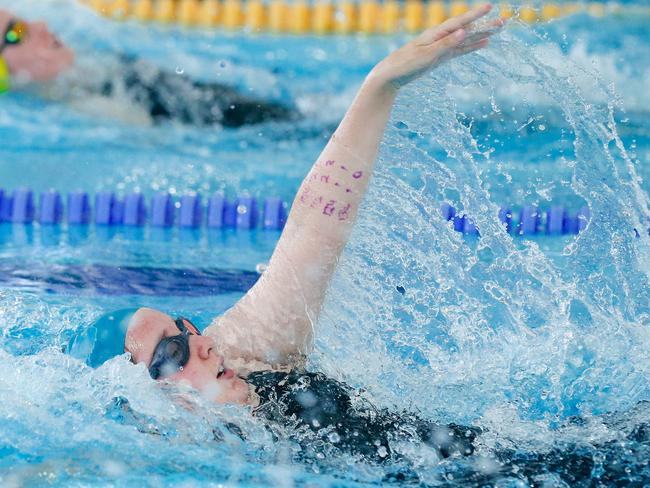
15	34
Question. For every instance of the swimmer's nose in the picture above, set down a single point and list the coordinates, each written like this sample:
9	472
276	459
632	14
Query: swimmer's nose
40	30
38	27
204	345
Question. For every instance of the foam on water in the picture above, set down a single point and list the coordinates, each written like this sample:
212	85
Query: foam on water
490	323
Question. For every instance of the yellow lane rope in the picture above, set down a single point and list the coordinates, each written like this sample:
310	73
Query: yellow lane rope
325	17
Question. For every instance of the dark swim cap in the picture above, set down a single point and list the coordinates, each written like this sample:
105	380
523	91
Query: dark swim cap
102	340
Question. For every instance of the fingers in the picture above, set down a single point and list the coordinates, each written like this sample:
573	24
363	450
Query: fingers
468	48
472	37
468	17
463	49
451	41
494	25
453	24
475	36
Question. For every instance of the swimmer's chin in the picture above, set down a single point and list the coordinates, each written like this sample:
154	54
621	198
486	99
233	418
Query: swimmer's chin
233	390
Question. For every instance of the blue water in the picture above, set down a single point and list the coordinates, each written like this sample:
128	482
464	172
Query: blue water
513	335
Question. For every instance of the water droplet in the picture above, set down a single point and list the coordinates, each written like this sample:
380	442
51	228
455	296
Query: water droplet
382	451
334	437
179	70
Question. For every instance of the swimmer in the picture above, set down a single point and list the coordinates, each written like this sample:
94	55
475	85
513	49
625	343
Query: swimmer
255	353
134	91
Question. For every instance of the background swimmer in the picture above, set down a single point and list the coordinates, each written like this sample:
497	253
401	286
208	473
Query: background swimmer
127	89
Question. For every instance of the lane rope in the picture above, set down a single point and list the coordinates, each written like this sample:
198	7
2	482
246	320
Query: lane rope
245	212
321	17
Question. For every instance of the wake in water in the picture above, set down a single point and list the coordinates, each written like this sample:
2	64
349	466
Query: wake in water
495	332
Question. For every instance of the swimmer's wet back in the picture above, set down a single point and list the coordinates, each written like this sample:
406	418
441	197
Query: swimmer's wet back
175	97
317	407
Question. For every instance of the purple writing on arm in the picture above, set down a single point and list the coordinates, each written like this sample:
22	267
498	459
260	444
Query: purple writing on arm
329	162
344	213
316	202
329	208
357	174
304	196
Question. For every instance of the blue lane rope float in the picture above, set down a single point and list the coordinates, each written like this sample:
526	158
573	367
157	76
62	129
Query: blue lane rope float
242	213
528	221
189	211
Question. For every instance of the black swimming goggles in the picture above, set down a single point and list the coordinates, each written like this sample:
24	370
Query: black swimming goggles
15	33
172	353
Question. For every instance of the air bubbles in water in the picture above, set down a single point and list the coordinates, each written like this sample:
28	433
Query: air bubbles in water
334	437
467	323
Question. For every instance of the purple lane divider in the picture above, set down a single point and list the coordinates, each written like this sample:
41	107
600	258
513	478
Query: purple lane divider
448	212
104	208
230	215
243	213
7	208
571	224
22	209
4	202
469	227
135	210
505	216
274	214
246	213
529	220
216	207
162	210
51	208
555	220
459	223
191	212
117	215
583	217
78	208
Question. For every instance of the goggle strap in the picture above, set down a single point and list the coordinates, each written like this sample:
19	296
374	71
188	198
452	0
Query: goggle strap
184	324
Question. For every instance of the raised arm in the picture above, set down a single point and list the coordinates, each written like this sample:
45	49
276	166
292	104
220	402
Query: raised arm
273	324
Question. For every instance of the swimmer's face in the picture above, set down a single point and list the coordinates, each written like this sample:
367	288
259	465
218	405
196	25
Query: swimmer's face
148	327
39	57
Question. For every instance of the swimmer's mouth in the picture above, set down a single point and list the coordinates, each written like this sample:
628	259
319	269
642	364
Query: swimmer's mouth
225	373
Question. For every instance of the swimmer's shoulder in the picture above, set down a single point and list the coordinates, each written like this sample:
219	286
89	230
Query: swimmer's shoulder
232	340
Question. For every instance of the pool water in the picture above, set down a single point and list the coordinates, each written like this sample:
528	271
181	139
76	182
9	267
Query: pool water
514	335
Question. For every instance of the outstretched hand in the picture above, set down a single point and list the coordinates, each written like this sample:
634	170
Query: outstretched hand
454	37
